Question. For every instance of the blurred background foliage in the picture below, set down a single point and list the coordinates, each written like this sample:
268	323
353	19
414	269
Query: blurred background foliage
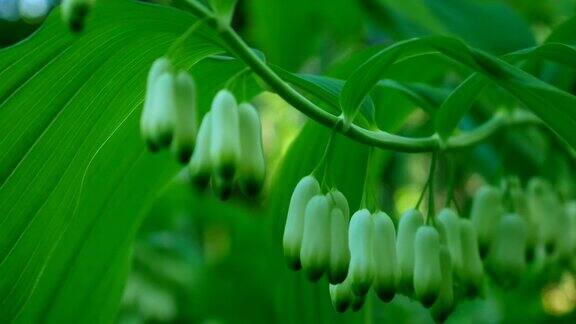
198	260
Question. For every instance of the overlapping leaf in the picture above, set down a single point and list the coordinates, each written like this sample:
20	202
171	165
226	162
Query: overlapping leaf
555	107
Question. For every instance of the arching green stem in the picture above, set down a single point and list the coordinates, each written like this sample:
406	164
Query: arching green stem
376	138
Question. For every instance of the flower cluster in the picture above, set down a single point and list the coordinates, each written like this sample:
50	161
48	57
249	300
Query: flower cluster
415	259
169	114
431	260
518	226
227	147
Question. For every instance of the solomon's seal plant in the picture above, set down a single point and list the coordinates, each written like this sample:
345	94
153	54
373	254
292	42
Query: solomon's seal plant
437	259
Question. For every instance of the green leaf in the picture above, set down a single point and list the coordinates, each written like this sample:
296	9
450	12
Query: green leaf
458	103
465	19
422	96
293	31
564	33
462	98
468	19
328	90
75	177
553	106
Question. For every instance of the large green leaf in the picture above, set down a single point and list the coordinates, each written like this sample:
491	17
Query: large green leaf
74	174
467	19
293	31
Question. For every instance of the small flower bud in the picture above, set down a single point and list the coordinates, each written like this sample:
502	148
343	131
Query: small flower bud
357	302
545	210
507	253
225	147
32	11
341	296
444	304
160	66
306	188
427	272
570	211
222	187
472	271
163	110
339	251
486	210
519	200
409	223
252	169
200	166
360	236
74	13
315	252
386	267
185	125
448	225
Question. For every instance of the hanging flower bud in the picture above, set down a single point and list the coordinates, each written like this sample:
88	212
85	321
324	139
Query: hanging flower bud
473	271
357	302
32	11
315	252
570	210
564	240
339	252
360	236
444	304
518	197
427	272
222	188
306	188
200	166
448	225
507	253
409	223
163	110
545	210
185	125
486	210
341	296
252	168
225	147
520	206
74	13
160	66
386	267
